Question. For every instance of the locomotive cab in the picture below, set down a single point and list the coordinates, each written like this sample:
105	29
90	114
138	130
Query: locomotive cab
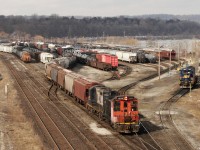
187	77
124	114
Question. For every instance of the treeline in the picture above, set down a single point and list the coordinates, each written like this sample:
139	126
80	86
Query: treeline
56	26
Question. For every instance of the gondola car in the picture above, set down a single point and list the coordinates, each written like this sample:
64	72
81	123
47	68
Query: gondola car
120	111
188	77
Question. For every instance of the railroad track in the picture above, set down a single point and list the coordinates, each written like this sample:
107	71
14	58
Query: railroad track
59	130
122	91
178	141
52	133
109	141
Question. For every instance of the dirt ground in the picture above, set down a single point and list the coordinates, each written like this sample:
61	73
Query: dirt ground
16	130
152	94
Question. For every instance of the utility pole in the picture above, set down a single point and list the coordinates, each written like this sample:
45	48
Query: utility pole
170	61
159	61
178	52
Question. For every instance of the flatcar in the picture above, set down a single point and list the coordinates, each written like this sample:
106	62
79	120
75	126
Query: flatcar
120	111
188	77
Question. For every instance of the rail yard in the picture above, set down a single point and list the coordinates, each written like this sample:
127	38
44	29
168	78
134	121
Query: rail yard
97	99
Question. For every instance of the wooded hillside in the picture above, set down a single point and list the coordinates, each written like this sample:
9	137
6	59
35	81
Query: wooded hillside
55	26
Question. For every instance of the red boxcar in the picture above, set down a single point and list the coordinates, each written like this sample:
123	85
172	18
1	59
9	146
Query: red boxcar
81	89
59	50
107	58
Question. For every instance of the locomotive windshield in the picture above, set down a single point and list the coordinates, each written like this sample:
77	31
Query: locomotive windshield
186	72
134	106
117	106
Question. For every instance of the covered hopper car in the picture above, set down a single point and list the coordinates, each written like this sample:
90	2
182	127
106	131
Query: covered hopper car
120	111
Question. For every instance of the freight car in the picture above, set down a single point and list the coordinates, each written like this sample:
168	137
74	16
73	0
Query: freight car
97	60
45	57
164	53
188	77
7	49
150	58
65	62
120	111
131	56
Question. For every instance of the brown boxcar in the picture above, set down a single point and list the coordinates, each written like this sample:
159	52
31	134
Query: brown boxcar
61	77
81	89
165	54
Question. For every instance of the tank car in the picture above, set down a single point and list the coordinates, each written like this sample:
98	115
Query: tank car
141	57
150	58
188	77
66	62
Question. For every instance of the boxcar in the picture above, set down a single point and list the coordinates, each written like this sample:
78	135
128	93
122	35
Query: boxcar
45	57
119	55
130	57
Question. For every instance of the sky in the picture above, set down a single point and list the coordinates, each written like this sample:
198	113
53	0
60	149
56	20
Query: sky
101	8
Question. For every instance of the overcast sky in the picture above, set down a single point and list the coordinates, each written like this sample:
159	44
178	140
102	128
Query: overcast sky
99	7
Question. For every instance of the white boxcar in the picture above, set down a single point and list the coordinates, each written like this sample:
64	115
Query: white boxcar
46	57
129	57
1	48
100	50
7	49
69	81
51	46
119	54
112	52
